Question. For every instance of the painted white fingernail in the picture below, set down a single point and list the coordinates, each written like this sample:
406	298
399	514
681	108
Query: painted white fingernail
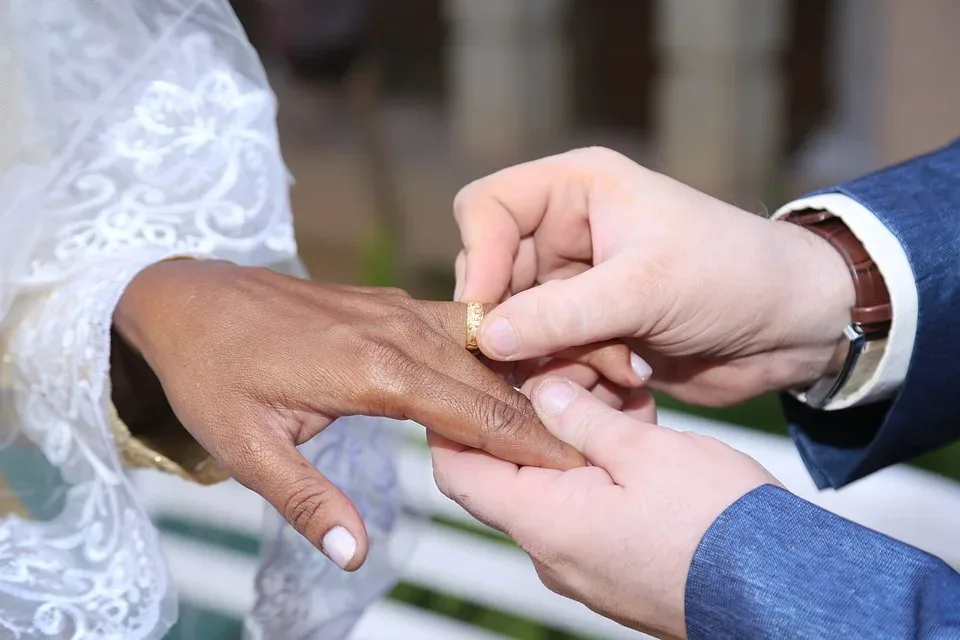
340	546
555	396
640	367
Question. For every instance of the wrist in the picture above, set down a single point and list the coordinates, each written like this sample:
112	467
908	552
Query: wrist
136	313
818	295
148	432
150	311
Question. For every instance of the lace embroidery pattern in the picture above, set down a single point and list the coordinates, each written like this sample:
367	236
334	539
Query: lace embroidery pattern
168	148
171	151
94	570
188	162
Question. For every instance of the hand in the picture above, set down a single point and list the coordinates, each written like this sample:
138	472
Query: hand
254	363
724	305
619	536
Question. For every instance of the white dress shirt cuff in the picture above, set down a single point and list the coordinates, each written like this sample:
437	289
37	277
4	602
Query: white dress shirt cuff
892	262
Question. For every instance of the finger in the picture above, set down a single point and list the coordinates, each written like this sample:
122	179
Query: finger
448	318
481	483
494	213
613	360
605	436
580	374
380	291
464	401
610	394
487	412
506	370
460	273
500	494
458	469
591	307
312	504
524	369
525	270
444	447
641	406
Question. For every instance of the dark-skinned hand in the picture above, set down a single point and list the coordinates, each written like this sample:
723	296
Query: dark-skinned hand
254	363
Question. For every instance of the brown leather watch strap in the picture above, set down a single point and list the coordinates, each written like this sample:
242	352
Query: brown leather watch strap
872	310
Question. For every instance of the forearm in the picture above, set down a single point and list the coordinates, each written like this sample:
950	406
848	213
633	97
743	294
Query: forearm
776	566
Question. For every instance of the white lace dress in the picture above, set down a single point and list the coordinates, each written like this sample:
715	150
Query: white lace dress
130	132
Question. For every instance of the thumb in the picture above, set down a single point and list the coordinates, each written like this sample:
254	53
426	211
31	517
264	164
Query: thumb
313	505
602	434
559	314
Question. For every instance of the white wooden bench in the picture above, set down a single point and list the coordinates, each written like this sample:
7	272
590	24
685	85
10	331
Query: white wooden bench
914	506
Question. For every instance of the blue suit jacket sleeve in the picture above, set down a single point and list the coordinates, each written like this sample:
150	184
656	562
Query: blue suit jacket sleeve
919	202
776	566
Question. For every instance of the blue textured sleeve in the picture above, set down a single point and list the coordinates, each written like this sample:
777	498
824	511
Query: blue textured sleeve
776	566
919	202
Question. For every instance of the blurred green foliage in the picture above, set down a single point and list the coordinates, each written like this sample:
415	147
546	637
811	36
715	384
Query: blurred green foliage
378	258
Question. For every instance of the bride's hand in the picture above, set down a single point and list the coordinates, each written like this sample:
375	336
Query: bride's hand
255	363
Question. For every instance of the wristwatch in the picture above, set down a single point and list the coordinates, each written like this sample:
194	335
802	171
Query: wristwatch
865	338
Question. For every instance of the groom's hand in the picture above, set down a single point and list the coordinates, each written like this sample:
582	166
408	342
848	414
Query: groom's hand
589	246
620	535
254	363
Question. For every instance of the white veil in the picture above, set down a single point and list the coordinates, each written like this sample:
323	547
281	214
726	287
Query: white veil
132	131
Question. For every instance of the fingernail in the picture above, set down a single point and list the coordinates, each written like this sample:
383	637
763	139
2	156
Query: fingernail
640	367
554	397
501	338
340	546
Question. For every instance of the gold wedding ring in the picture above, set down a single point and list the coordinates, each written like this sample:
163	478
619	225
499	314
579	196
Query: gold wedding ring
474	318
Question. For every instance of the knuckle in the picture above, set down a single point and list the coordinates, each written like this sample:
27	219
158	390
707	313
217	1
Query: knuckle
706	442
500	421
546	551
385	362
305	502
465	197
551	579
239	454
390	374
339	333
395	291
599	155
403	323
250	448
588	421
596	416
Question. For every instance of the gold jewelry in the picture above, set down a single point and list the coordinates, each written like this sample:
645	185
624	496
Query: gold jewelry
474	318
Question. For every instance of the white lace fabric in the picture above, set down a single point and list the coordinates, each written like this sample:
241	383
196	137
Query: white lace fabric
132	131
93	569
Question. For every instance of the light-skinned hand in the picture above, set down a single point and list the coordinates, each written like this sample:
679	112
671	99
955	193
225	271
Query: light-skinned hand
618	536
588	246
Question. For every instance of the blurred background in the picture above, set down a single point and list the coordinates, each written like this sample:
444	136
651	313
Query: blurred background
387	108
